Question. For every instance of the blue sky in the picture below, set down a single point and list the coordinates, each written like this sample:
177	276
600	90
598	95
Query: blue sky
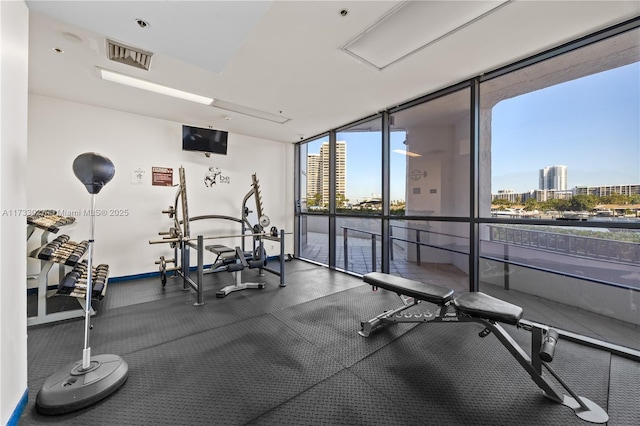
364	162
591	125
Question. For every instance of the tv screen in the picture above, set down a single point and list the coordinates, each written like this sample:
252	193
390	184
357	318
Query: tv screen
205	140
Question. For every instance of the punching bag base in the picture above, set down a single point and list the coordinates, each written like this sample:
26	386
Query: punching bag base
72	387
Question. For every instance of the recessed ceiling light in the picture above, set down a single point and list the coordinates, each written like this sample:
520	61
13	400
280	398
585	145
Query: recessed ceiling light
228	118
142	23
57	50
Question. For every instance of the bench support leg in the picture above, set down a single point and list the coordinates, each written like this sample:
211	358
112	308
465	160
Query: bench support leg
239	285
583	407
388	316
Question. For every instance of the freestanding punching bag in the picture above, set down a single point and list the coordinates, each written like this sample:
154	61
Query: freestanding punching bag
93	170
89	380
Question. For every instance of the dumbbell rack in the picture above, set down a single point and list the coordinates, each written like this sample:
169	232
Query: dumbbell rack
59	252
74	283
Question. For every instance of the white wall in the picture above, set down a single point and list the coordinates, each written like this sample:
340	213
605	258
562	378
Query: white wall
59	131
14	45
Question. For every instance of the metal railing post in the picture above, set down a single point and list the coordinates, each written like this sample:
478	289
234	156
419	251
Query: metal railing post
391	242
346	246
506	266
373	252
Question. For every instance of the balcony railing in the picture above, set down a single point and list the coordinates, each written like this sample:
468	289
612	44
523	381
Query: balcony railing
417	241
601	250
588	247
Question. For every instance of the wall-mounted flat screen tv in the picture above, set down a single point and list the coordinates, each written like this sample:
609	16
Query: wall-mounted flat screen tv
204	140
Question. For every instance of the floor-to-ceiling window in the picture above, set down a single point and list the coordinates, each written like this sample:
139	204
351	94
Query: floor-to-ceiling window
429	180
561	176
555	143
358	198
312	204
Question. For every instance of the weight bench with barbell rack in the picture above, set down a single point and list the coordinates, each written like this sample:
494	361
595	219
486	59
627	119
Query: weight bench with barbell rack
488	311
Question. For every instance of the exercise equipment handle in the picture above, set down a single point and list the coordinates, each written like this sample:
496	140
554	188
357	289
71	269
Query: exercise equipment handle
549	345
166	240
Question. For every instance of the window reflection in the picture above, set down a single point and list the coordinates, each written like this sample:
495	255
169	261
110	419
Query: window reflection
430	157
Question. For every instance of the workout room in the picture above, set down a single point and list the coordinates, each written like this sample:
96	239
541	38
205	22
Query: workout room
291	213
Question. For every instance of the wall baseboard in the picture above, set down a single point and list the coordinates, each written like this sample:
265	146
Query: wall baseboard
140	276
17	413
145	275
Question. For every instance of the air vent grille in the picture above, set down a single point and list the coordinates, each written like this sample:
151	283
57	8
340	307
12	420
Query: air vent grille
128	55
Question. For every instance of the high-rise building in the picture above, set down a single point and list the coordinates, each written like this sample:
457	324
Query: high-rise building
324	155
314	175
341	168
318	172
553	177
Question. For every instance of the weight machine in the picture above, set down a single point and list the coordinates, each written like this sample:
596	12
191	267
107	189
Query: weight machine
179	238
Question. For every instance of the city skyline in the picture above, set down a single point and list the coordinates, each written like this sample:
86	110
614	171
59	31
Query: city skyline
591	125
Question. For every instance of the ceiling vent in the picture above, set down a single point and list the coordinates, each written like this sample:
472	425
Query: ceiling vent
128	55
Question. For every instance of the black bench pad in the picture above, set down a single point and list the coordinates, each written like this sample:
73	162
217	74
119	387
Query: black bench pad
218	249
416	289
481	305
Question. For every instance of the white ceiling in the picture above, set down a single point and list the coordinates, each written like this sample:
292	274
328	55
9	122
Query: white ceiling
286	57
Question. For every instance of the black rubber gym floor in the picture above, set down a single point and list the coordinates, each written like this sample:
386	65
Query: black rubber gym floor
292	356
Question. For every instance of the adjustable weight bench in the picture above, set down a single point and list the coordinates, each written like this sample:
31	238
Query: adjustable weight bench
488	311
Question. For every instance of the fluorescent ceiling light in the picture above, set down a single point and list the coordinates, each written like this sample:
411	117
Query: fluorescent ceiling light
152	87
251	112
407	153
411	26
